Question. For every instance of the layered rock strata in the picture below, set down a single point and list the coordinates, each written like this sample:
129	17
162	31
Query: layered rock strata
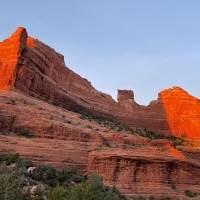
146	173
36	69
136	165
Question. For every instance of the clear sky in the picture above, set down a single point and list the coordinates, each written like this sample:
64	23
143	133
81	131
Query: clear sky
142	45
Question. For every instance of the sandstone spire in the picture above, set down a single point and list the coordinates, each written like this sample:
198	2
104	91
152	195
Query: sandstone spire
10	51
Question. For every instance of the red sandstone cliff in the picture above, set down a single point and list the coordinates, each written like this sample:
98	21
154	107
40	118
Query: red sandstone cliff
135	164
34	68
182	111
29	67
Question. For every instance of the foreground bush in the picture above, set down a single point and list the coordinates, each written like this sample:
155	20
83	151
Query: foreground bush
190	193
93	189
9	188
58	193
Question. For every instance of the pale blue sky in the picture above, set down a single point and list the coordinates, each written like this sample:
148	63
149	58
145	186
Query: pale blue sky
142	45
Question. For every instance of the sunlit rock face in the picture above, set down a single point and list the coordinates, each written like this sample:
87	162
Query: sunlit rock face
182	112
36	69
10	51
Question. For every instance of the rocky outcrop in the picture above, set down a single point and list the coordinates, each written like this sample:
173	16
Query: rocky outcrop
125	99
146	173
182	112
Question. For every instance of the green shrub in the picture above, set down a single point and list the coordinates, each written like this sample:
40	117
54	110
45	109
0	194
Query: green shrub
68	121
44	172
24	133
12	158
94	189
164	198
173	186
36	198
72	170
139	198
190	193
3	157
105	142
89	126
76	178
33	182
28	163
142	198
56	104
82	117
152	198
9	188
58	193
13	101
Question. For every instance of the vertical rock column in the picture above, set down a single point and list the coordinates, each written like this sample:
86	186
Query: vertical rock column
10	51
125	99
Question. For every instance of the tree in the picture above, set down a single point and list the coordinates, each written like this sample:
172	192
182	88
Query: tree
58	193
9	189
93	189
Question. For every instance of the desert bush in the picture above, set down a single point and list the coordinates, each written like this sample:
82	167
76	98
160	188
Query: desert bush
28	163
173	186
44	172
12	158
68	121
36	198
9	188
24	133
152	198
58	193
139	198
3	157
56	104
89	126
105	142
164	198
94	189
190	193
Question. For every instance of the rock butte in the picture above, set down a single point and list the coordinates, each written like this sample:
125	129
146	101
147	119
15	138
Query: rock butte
29	68
34	68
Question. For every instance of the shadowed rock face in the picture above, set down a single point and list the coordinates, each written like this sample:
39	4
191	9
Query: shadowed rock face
34	68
